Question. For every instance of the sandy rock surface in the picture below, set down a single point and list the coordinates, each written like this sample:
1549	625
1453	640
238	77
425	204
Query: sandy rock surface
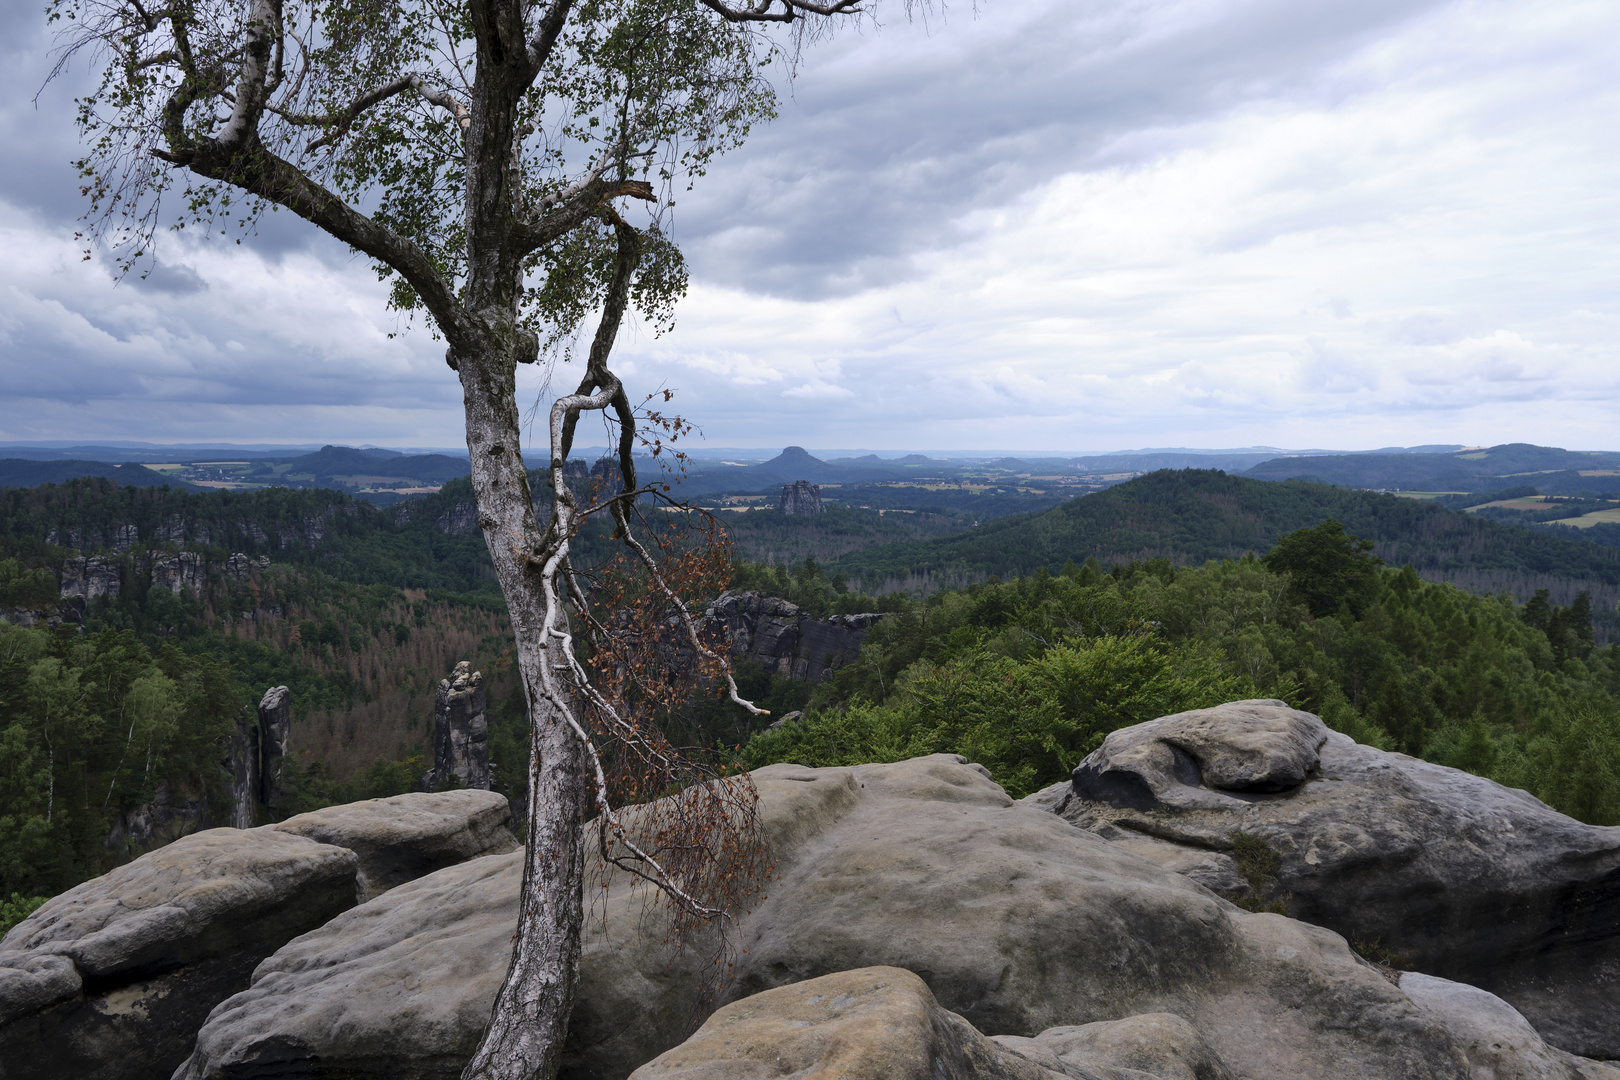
112	978
1014	919
1469	880
872	1024
403	837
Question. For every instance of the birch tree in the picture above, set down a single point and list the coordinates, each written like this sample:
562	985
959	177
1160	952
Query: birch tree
485	156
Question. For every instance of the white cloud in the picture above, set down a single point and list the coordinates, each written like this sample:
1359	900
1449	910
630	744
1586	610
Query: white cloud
1047	226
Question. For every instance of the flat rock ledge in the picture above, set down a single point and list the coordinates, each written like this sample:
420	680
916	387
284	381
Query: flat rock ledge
1449	873
117	975
1016	921
112	979
401	838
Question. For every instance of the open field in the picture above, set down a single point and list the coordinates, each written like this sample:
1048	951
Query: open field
1586	521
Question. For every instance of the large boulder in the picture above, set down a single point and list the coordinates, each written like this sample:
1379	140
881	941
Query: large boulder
1452	874
1499	1041
404	837
111	979
1013	918
877	1023
1158	1045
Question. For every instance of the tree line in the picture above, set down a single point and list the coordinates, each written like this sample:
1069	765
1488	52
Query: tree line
1027	676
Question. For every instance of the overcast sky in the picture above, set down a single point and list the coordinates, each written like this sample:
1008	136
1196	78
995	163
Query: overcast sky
1056	225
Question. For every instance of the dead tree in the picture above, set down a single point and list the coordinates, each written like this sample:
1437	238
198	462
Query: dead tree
478	152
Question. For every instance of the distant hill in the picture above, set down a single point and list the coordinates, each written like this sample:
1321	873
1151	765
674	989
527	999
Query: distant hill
336	462
1551	470
793	463
18	472
1194	515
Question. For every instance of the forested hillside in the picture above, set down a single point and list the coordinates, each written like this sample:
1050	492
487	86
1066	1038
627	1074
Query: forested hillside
1191	516
1547	467
1027	676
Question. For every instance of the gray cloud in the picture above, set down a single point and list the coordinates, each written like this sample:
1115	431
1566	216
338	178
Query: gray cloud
871	163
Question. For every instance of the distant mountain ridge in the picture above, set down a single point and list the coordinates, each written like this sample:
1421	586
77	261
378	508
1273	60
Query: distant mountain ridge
1551	469
22	473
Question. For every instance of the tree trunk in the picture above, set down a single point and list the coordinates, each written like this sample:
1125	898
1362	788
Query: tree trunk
530	1017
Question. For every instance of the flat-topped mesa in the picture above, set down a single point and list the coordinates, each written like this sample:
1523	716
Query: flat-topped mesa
801	497
460	732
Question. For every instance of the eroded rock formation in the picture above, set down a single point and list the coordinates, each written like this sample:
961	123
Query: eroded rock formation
1016	920
402	838
460	732
112	979
785	638
91	578
275	742
1470	880
878	1022
800	497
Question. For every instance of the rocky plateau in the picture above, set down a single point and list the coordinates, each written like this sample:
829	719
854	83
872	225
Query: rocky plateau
919	923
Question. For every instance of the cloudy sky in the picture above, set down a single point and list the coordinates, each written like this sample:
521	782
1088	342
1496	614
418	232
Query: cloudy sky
1058	225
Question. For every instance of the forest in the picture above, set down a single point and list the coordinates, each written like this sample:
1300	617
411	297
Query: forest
1147	598
1191	516
1027	676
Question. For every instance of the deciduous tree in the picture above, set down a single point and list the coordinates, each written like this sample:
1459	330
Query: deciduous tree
480	153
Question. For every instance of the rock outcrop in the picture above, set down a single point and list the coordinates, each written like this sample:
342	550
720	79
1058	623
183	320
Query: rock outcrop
402	838
111	979
460	520
877	1023
460	732
241	765
783	637
91	578
800	497
275	743
1469	880
171	814
177	572
1016	920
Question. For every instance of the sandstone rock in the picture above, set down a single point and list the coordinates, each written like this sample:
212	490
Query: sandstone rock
1473	881
1158	1045
112	979
782	637
402	838
1499	1041
275	743
178	572
1014	919
171	814
460	731
460	520
242	766
91	578
800	497
877	1023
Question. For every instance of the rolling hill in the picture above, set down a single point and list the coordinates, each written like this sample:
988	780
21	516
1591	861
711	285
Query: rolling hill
1549	469
1194	515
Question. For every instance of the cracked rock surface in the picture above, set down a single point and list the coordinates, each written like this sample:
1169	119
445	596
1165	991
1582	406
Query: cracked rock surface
1456	875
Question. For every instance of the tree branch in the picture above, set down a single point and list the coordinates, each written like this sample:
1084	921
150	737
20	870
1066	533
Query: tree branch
256	170
764	10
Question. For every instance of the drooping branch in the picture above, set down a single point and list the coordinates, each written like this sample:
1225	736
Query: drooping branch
790	10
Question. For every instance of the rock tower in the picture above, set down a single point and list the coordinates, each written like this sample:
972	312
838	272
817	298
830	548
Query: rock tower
801	497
